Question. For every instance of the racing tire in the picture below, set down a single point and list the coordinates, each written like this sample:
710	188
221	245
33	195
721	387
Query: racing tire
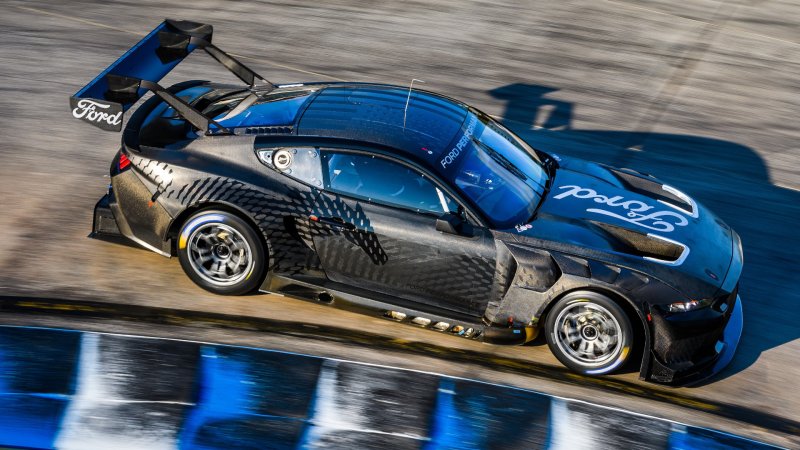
589	333
221	253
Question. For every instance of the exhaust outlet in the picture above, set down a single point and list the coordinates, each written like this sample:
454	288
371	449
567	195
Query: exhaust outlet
324	297
509	336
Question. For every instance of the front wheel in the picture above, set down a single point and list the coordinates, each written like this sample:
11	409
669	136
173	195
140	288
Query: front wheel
589	333
221	253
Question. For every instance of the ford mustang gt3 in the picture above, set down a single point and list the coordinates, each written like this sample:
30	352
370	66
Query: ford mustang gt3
410	205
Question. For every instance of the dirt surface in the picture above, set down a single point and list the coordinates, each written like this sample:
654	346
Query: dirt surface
704	95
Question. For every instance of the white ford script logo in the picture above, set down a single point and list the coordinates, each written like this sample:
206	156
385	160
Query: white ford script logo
637	212
88	110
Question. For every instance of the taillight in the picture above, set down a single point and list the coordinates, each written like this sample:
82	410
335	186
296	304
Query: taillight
124	162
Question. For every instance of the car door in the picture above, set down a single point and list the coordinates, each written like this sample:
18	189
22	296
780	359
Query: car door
375	228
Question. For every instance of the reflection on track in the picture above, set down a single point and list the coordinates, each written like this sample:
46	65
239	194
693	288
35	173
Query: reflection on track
71	389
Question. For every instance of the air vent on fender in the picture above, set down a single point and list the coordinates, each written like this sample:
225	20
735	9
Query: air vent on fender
649	246
663	193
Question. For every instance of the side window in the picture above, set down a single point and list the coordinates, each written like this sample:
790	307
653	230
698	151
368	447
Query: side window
300	163
383	181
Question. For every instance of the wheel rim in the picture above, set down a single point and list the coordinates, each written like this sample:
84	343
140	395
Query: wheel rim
588	334
219	254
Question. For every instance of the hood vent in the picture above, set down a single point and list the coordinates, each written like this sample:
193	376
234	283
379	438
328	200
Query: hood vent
663	193
649	246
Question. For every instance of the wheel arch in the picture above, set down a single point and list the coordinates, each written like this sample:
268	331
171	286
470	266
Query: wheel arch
637	319
175	226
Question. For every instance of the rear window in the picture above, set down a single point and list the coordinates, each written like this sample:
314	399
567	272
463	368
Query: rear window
273	108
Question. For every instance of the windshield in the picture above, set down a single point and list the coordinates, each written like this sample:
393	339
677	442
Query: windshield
497	171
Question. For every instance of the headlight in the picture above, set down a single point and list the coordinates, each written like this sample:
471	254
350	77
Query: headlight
691	305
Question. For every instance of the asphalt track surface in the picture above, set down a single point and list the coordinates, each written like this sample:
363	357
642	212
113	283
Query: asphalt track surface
704	95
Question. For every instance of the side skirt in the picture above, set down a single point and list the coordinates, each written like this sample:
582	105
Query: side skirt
320	290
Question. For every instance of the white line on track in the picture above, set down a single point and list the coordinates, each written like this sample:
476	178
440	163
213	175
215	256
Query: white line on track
786	186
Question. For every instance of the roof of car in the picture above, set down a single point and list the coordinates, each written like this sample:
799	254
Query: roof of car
378	114
417	122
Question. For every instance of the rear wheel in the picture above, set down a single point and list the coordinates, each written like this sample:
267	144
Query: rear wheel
589	333
221	253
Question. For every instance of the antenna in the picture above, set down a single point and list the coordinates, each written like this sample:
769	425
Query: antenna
405	110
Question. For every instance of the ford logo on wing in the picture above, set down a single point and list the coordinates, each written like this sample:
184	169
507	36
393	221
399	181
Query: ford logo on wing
107	116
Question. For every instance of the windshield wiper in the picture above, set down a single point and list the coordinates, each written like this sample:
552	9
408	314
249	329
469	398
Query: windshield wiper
502	160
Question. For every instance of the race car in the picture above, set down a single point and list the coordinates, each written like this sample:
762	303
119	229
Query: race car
413	206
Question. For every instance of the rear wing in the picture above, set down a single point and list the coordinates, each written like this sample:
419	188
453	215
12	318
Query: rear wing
105	99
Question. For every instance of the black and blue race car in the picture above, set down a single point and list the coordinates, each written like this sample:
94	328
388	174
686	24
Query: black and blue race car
413	206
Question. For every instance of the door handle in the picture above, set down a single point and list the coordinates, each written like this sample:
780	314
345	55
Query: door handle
336	222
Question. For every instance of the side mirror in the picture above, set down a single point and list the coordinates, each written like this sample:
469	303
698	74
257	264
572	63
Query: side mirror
450	223
462	213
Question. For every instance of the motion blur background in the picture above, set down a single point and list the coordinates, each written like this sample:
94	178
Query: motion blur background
704	94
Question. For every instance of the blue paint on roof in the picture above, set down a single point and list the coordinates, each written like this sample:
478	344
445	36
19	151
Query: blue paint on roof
378	114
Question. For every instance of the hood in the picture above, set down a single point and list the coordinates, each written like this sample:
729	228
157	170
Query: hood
638	219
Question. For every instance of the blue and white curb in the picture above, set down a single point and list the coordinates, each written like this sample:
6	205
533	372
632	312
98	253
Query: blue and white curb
82	390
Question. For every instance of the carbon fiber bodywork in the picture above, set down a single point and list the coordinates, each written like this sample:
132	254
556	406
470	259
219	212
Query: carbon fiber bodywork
491	284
